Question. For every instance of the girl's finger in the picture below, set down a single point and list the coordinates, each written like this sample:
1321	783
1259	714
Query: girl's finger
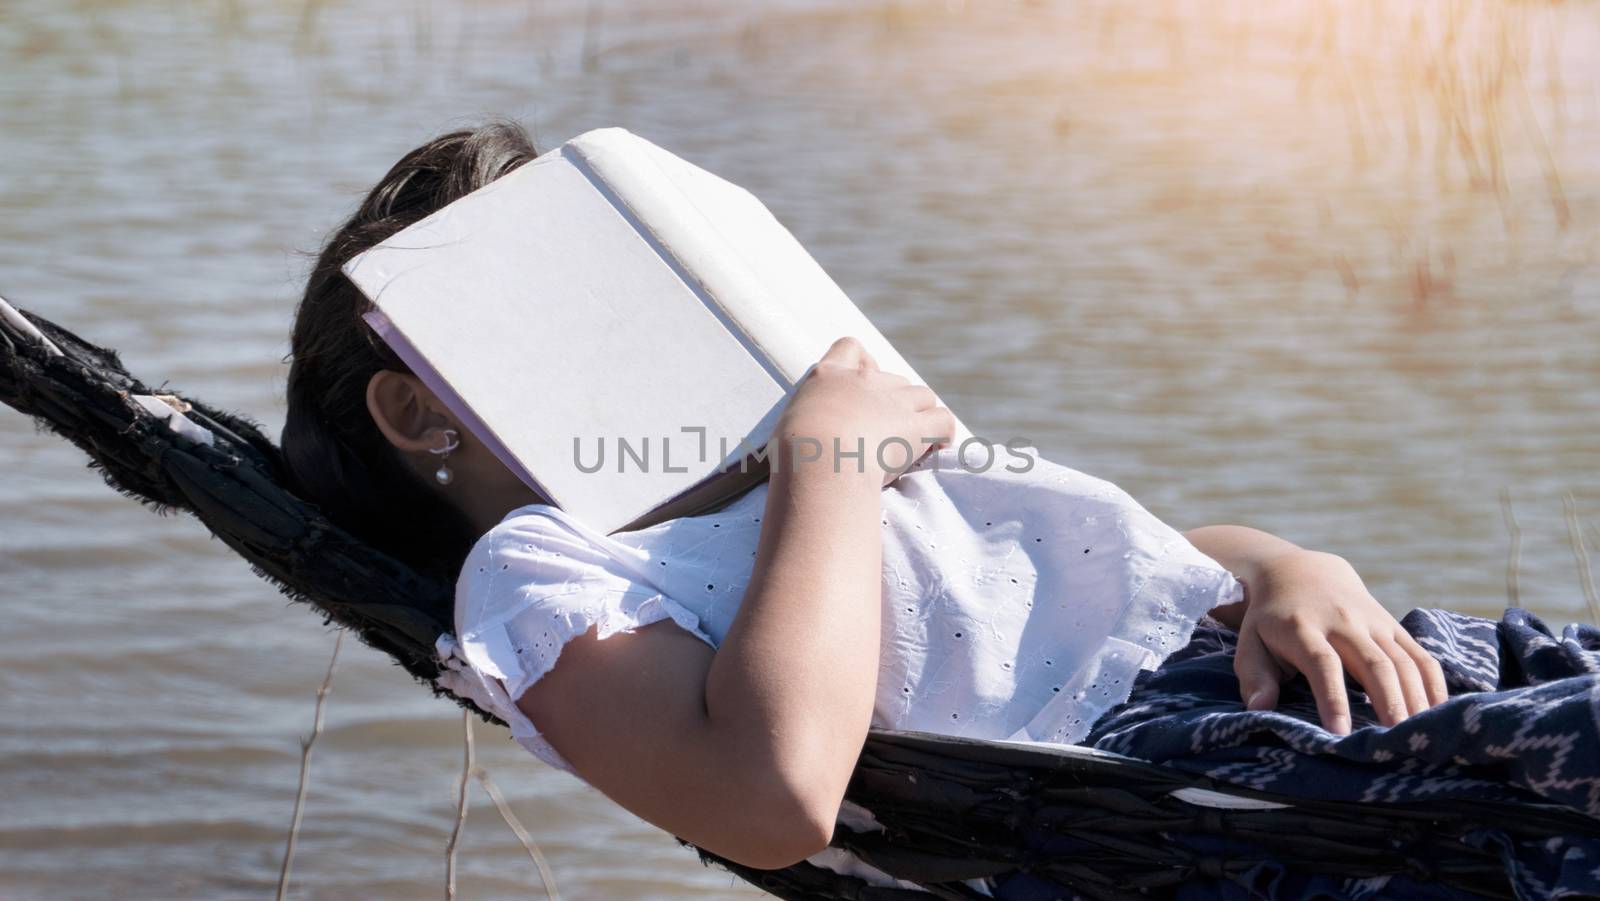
1320	664
1375	671
935	426
1432	673
868	363
1258	673
1410	678
849	351
920	397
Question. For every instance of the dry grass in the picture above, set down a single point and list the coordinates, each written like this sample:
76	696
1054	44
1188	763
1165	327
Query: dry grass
469	770
1580	553
305	766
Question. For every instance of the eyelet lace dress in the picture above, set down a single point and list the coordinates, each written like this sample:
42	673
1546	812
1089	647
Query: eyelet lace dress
1016	604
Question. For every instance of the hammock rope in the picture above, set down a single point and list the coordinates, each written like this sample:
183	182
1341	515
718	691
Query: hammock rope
233	486
1099	825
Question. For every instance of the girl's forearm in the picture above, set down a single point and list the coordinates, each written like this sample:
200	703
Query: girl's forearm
795	678
1243	551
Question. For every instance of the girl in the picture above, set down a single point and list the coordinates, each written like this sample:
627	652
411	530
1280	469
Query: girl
717	674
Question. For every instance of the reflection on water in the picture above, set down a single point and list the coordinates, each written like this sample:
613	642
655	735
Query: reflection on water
1328	268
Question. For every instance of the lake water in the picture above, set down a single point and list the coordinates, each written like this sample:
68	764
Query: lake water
1329	269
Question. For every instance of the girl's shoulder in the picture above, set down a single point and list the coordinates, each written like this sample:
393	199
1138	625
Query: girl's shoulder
534	552
526	535
541	563
529	520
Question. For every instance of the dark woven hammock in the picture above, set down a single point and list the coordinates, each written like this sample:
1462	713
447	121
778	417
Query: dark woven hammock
951	809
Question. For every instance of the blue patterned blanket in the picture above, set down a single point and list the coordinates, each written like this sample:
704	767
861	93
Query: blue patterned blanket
1522	724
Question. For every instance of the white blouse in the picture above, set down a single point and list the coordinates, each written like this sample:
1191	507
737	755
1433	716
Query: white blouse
1016	605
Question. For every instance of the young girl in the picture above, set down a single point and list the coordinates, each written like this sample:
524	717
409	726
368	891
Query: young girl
717	674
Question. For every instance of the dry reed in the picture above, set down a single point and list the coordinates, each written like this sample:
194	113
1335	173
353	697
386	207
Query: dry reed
1514	554
1581	555
471	770
305	767
470	753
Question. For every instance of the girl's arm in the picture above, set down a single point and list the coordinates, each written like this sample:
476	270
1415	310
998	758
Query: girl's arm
1309	612
746	751
1242	551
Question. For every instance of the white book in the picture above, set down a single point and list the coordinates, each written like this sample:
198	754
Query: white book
620	327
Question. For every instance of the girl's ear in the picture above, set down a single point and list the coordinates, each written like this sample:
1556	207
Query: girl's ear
408	414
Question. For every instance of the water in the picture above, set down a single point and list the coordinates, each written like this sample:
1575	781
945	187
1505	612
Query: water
1225	257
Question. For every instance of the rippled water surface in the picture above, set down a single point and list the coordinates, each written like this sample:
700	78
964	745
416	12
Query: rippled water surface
1329	270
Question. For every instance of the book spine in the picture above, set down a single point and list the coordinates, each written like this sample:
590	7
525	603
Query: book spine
683	237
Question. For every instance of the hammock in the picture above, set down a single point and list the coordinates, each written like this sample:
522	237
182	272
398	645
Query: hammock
943	810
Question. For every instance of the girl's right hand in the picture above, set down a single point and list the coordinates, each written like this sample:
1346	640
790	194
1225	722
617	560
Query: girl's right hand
849	416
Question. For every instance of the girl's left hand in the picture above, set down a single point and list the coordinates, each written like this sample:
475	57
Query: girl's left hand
1309	612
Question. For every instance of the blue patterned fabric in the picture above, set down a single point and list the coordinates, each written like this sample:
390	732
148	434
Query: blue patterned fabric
1522	724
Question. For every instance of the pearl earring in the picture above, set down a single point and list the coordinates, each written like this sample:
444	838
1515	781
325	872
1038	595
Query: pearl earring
443	475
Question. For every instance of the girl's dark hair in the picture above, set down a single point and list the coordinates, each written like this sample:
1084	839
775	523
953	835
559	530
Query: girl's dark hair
336	456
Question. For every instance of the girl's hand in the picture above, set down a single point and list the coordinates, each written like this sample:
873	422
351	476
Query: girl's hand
847	415
1308	612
